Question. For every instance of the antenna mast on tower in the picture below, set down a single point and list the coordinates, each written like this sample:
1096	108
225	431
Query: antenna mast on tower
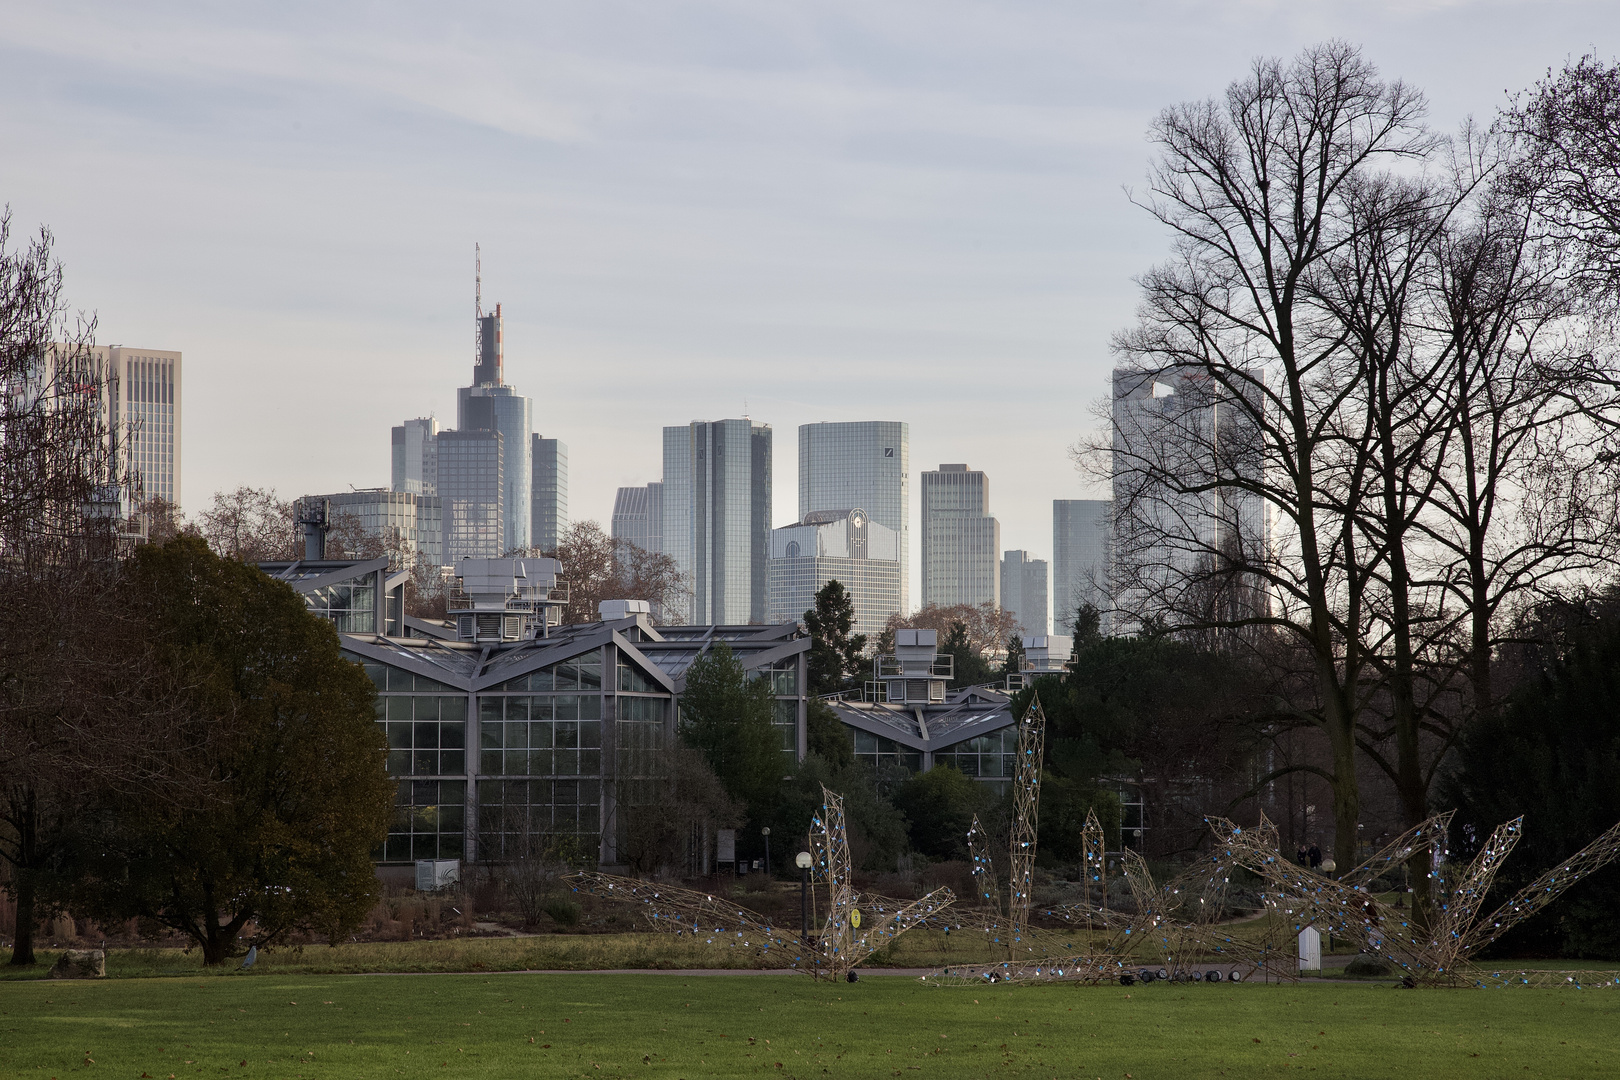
478	305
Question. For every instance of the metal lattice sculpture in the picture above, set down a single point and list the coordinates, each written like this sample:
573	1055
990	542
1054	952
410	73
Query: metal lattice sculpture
829	850
1438	952
1026	817
703	916
984	874
1178	925
857	926
1093	860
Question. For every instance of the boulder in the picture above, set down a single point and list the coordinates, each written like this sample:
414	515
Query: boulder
80	964
1369	964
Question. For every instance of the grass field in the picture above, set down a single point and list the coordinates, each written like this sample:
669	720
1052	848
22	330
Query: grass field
670	1026
545	952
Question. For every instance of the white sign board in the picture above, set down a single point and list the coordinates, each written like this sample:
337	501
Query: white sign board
433	874
1310	949
726	846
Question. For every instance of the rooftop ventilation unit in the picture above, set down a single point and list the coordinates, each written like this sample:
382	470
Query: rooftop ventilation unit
507	599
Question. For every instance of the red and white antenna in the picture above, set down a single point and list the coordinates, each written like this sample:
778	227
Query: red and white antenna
478	305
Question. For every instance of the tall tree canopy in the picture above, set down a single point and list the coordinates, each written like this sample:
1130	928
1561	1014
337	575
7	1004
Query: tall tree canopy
274	775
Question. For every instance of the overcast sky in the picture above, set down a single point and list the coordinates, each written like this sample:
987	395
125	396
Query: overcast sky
812	211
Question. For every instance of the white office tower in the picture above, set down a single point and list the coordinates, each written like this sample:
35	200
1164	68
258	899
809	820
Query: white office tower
141	399
415	449
1179	524
717	512
961	542
864	464
1081	529
842	545
638	516
1023	591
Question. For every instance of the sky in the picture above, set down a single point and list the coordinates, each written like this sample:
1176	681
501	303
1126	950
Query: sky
808	211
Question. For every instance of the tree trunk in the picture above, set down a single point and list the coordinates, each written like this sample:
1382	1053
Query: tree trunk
216	948
22	949
1346	792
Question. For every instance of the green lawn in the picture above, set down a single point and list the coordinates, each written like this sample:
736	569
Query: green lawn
668	1026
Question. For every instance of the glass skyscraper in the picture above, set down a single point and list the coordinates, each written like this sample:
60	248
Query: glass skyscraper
472	494
1080	540
864	464
1023	590
549	494
415	461
490	405
638	516
717	512
961	542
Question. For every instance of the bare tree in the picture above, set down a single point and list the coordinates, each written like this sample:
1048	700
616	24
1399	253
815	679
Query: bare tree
250	524
1225	476
598	568
1356	414
988	627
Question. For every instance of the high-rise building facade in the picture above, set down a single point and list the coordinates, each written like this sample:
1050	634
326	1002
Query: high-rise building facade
1178	520
717	507
403	522
549	499
472	493
1023	591
1081	529
865	464
415	456
828	545
961	542
491	405
638	516
143	395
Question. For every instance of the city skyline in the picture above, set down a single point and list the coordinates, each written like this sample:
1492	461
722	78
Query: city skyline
827	215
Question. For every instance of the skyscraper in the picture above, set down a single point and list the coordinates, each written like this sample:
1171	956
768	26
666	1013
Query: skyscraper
1023	590
472	494
864	464
638	516
416	457
842	545
490	405
717	507
1177	442
1080	539
143	395
549	498
960	540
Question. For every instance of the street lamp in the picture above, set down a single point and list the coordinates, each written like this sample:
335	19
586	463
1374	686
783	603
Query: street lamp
803	860
766	833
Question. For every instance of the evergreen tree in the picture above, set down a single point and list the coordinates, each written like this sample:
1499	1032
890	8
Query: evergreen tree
827	736
971	669
835	653
940	804
727	715
1552	755
1015	655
